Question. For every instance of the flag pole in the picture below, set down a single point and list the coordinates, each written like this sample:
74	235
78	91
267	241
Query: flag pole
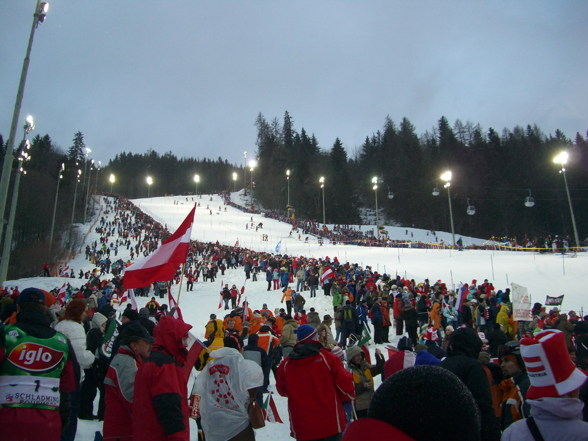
181	279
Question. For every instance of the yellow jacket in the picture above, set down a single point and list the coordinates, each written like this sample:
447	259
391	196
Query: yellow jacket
503	319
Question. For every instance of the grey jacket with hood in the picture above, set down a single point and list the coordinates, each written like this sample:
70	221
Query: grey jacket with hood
556	418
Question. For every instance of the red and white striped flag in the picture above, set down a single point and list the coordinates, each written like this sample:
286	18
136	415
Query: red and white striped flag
270	411
327	274
245	310
129	294
173	305
195	347
61	295
163	263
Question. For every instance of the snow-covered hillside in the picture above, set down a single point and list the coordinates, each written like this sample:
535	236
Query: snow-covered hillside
542	274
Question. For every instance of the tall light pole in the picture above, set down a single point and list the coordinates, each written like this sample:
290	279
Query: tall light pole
252	165
73	210
89	179
446	177
41	9
288	180
234	181
375	188
59	178
196	181
97	175
322	182
112	180
149	181
23	155
562	159
245	172
88	151
98	167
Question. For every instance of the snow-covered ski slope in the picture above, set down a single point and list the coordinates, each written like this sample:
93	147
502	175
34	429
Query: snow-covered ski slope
542	274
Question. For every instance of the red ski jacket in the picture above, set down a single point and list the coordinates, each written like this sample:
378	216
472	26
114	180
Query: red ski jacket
160	402
316	384
119	386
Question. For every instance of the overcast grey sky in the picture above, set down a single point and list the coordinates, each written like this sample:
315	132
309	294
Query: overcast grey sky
191	76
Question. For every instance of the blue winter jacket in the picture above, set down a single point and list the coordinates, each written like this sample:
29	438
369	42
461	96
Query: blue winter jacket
377	316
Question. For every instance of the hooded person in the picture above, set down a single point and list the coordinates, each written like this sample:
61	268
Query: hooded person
556	410
363	377
404	409
325	335
161	395
119	383
227	385
462	360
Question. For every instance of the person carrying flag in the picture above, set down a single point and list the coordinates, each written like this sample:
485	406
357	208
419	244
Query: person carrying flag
327	276
363	377
234	294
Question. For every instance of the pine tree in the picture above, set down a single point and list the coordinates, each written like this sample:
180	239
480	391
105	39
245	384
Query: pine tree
76	153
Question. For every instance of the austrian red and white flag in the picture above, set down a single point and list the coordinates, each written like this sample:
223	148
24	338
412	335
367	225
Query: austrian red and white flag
173	305
163	263
327	274
129	294
61	295
195	347
245	310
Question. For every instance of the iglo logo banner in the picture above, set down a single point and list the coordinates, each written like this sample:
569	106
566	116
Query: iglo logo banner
34	357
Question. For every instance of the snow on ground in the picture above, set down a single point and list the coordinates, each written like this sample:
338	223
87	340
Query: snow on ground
542	274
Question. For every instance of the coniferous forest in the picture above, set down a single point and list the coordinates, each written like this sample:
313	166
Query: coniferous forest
493	171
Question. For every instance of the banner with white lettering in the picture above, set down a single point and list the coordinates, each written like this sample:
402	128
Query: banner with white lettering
554	301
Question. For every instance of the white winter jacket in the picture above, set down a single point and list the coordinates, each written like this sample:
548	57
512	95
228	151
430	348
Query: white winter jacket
74	331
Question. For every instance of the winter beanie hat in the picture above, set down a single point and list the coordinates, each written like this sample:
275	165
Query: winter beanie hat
131	314
338	352
405	401
352	351
99	320
549	366
31	295
305	332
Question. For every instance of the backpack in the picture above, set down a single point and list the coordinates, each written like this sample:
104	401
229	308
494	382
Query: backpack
348	314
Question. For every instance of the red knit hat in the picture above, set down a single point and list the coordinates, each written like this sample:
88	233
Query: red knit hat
549	366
